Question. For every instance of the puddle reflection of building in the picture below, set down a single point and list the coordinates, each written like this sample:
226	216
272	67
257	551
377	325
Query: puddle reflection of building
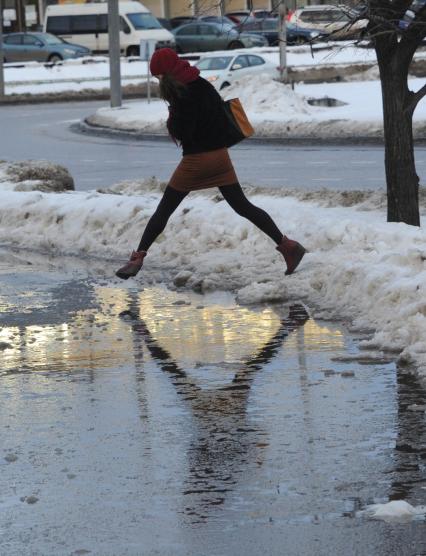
410	449
226	441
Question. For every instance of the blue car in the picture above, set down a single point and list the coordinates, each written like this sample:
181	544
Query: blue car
39	47
269	28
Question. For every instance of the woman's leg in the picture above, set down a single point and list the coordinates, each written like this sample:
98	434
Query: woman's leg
291	250
156	224
170	201
235	197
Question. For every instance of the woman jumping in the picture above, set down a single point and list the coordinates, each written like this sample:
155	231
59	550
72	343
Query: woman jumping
197	120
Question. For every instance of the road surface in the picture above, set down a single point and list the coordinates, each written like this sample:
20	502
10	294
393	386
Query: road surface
42	131
141	421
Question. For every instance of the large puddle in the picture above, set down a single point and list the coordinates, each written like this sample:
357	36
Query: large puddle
146	421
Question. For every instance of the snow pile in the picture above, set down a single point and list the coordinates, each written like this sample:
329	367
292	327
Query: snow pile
395	511
32	175
135	187
358	266
136	116
272	96
274	109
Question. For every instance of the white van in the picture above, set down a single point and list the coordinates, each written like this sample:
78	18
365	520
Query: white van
87	24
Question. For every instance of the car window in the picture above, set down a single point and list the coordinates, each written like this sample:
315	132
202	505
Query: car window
309	17
102	23
81	24
143	20
205	29
13	39
59	25
255	60
216	63
324	16
240	62
337	15
187	30
51	39
31	40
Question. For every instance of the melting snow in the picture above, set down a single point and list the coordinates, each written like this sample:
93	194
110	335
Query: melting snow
364	269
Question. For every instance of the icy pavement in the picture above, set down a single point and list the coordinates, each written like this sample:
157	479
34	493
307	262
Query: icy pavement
141	421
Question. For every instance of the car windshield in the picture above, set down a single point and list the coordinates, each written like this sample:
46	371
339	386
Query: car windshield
51	39
219	63
143	20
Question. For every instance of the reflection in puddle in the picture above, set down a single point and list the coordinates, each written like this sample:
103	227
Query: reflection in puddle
192	328
226	442
180	411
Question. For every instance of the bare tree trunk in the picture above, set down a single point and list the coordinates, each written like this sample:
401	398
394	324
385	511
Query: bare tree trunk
401	177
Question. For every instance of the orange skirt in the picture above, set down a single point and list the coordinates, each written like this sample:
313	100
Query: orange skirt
203	170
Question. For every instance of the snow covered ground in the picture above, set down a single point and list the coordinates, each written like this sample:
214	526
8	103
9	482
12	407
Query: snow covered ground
93	72
275	110
69	75
359	267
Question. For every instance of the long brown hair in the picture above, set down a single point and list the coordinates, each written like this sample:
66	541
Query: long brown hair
170	89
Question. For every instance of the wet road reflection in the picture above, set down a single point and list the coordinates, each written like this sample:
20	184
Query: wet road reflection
149	421
225	442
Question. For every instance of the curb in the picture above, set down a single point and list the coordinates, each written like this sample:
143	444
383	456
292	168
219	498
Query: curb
84	127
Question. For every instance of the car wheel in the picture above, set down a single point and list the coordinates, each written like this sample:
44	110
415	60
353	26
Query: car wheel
133	51
235	44
224	85
55	58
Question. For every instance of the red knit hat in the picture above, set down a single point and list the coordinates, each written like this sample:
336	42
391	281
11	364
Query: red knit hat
165	60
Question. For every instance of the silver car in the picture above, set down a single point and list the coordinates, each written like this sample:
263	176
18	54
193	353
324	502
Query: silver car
39	47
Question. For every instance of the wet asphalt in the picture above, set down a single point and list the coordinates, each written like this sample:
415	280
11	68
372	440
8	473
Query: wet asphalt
45	132
141	420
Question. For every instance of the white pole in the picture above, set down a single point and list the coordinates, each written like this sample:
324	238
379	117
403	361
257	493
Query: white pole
114	53
282	38
1	52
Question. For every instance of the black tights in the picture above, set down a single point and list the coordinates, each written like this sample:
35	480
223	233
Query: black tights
233	195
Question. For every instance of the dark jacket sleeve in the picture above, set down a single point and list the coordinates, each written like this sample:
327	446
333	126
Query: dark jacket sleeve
182	119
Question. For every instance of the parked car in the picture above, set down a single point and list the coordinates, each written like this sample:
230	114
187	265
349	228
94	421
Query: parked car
88	24
39	47
328	19
269	28
410	14
203	36
223	70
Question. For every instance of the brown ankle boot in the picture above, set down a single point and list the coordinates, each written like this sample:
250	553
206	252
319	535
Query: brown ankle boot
292	252
133	266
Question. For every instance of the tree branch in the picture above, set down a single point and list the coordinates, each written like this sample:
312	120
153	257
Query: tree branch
415	98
